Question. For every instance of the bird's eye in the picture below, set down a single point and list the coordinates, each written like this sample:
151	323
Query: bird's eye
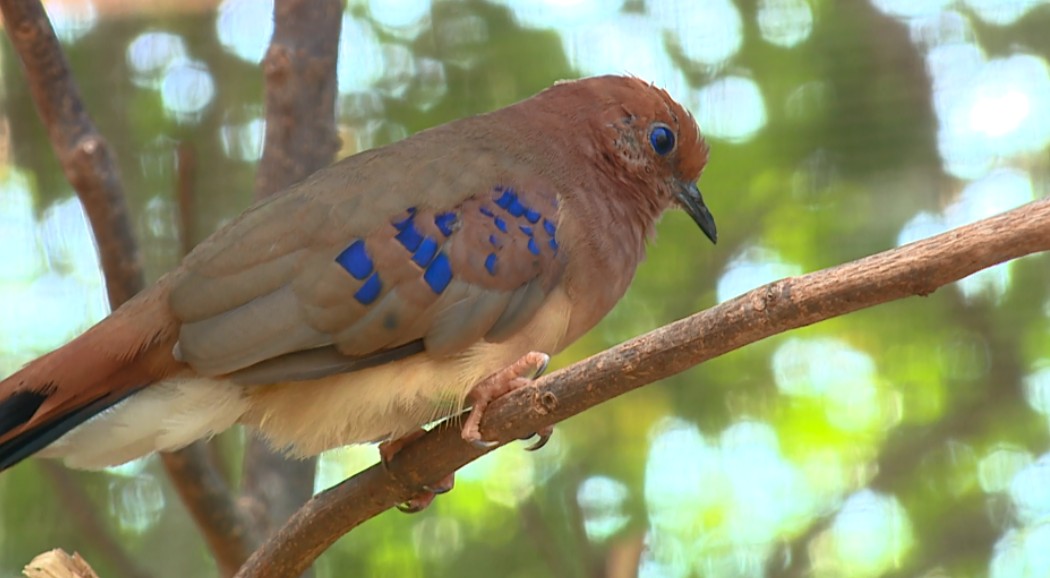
662	139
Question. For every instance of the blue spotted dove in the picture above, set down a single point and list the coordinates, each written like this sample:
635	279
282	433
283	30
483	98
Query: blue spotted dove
382	293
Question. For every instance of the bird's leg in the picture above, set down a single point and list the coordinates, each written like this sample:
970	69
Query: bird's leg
515	376
419	502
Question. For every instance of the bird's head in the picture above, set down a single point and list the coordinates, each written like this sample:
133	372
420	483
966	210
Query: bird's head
653	144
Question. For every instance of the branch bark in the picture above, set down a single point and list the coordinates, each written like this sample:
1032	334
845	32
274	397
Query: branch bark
915	269
300	68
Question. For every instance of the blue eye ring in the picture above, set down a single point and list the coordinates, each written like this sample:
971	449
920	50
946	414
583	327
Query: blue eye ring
661	138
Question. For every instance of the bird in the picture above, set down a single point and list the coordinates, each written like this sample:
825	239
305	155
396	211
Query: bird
394	288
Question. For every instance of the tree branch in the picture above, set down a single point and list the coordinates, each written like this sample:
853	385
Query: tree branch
915	269
300	93
85	156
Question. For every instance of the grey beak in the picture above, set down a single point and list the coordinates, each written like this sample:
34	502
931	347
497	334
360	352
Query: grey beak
693	203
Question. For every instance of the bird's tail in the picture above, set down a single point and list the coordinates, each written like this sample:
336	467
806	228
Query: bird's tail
61	390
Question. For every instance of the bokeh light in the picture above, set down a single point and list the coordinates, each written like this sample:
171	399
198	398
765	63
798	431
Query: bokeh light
833	135
562	13
151	53
186	89
72	20
730	108
245	27
708	32
601	501
402	18
785	23
870	534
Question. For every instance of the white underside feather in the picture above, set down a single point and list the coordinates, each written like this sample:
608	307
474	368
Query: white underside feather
165	416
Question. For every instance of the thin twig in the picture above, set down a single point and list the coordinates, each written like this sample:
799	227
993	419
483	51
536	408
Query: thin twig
915	269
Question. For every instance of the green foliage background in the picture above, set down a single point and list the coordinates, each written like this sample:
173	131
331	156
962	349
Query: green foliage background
945	375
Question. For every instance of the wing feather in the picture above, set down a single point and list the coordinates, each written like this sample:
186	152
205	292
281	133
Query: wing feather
336	297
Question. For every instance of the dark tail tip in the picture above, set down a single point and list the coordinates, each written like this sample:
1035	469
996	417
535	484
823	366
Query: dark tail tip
20	407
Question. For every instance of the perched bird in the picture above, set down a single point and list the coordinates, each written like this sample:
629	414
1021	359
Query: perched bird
391	289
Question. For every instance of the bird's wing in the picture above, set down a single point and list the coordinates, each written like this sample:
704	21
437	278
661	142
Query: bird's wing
321	281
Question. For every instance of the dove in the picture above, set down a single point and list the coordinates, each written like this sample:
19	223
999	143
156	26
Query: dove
394	288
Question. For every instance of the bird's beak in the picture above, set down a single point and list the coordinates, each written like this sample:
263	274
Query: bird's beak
693	203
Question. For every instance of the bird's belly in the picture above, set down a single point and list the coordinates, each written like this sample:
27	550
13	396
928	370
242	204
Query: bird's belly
391	400
388	401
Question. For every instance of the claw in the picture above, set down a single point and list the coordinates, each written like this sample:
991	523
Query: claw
539	443
442	486
483	445
412	506
436	489
542	366
543	436
419	502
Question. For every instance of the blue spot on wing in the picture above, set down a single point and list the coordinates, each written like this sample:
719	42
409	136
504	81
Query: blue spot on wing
369	291
445	221
427	249
409	236
400	225
509	200
515	207
355	260
490	263
439	274
508	197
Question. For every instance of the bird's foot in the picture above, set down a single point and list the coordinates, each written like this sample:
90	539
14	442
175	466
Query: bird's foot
419	502
513	377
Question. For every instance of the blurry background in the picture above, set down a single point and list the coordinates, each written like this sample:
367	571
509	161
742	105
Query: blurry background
908	440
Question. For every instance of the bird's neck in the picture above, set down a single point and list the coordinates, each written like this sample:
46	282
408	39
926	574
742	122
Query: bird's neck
605	256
